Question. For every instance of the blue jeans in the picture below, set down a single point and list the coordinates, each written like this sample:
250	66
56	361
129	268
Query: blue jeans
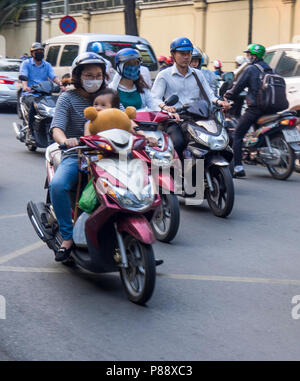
64	179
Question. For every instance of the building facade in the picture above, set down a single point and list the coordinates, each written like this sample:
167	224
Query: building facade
219	27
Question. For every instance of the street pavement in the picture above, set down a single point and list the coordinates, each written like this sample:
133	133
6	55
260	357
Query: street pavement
224	291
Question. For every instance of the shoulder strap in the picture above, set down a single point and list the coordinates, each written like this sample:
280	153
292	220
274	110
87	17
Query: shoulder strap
202	91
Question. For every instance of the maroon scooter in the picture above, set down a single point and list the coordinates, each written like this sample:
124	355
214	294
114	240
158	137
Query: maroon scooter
117	235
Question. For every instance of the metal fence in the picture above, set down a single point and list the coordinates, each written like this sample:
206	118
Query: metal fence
56	7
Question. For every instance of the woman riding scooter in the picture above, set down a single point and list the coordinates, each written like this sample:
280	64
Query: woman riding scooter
88	73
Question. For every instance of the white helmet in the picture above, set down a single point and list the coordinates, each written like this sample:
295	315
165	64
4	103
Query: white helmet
240	60
88	58
217	63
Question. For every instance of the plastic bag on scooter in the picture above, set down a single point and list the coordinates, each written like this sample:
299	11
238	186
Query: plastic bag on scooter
88	200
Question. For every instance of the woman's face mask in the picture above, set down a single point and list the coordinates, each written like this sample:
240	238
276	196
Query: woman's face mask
131	72
91	85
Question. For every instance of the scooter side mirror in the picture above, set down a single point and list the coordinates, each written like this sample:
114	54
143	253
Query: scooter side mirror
228	77
171	100
23	78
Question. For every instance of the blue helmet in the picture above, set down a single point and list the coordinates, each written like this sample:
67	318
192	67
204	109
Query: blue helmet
125	55
197	54
181	44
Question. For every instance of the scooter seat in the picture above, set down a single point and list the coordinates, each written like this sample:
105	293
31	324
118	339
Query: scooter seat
267	118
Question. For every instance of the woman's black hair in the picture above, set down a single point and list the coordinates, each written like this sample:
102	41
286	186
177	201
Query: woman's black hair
115	99
76	81
141	84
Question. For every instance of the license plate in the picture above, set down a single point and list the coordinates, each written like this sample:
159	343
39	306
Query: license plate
291	136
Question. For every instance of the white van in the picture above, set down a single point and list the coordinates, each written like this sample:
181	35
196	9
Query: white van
60	51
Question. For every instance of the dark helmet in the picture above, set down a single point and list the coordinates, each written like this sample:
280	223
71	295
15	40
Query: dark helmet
181	44
197	55
36	46
88	58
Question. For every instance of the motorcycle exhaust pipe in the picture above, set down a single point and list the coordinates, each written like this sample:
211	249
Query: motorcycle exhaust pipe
18	131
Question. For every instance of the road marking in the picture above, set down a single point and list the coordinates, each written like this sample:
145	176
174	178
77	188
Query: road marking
32	269
169	276
24	250
13	216
231	279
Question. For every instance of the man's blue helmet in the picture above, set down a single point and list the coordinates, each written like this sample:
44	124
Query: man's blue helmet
181	44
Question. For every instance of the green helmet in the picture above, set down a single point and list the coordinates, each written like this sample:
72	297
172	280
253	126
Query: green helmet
256	49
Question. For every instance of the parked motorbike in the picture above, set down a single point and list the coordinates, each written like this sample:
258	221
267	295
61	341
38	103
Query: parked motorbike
165	222
273	141
44	106
117	235
207	139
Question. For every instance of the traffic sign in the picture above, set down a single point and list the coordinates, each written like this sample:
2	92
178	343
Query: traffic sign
67	24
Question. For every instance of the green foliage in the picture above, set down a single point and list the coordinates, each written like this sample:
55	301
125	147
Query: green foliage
12	9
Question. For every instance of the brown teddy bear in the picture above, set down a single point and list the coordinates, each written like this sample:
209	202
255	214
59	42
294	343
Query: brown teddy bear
109	119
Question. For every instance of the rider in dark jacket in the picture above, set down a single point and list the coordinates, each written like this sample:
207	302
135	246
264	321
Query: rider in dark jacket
250	78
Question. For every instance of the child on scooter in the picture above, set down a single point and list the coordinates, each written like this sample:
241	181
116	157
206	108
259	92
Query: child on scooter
109	98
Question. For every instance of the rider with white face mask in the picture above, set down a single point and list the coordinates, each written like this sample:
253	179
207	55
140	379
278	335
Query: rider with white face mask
88	73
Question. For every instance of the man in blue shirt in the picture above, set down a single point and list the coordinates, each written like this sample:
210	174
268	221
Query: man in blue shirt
36	69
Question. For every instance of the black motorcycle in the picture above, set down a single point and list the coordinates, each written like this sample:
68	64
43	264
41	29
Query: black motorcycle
271	142
44	105
207	139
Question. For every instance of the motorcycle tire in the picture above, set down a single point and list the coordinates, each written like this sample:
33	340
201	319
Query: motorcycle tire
31	147
221	199
278	141
165	223
297	165
139	278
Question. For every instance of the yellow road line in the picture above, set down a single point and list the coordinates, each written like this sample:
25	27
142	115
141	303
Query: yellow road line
32	269
13	216
231	279
24	250
169	276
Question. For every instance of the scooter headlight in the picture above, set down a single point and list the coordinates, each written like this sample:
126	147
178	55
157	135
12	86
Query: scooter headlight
161	158
46	111
137	199
214	142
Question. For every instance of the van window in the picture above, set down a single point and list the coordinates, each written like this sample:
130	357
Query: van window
68	55
52	54
288	63
268	57
111	48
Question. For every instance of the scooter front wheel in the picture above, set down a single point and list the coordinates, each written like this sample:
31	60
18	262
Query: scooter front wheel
139	277
165	223
221	198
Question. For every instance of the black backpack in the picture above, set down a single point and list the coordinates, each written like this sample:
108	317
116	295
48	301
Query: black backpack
272	93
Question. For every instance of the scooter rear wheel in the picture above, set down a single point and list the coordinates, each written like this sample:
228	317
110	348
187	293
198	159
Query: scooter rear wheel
139	278
286	167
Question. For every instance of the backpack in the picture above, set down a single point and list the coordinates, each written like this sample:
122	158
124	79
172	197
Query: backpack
271	96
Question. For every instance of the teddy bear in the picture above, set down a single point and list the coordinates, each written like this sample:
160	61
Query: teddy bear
109	118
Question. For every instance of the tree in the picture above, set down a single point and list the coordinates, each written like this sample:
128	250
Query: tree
11	10
130	18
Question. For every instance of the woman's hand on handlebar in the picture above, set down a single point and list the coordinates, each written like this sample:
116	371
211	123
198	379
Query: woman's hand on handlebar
170	109
71	142
224	104
175	116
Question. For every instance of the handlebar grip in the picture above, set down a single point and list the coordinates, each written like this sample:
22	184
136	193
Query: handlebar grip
62	146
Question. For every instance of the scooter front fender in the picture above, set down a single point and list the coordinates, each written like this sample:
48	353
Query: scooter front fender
164	181
138	227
